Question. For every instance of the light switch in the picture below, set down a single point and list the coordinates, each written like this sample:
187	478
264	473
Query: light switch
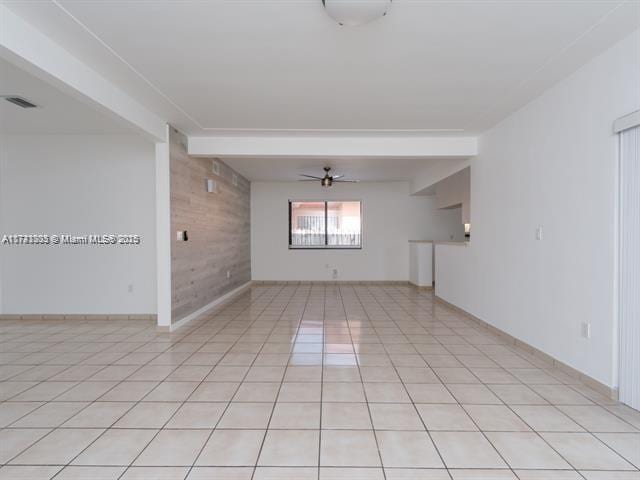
211	186
539	233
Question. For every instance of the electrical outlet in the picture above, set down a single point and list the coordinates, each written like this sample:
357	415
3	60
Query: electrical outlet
215	167
211	186
539	233
335	273
585	329
130	288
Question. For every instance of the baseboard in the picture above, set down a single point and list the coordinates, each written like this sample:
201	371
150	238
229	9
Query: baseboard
552	361
421	287
330	282
78	316
217	302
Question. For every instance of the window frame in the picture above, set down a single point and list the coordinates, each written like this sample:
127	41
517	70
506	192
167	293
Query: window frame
326	245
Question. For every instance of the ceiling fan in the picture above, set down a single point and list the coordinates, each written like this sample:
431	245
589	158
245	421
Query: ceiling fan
327	180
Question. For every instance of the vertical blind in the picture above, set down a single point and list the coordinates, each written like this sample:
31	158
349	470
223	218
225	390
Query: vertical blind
629	268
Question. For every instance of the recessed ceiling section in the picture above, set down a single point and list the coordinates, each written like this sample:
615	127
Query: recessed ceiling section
247	66
365	169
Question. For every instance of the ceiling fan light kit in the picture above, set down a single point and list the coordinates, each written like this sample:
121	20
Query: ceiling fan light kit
326	181
356	12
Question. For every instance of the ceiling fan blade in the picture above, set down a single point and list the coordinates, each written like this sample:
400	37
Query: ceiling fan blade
346	181
335	177
310	176
306	180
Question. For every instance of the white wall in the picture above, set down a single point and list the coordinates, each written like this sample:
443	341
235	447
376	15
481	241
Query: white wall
437	169
553	163
390	218
455	190
77	184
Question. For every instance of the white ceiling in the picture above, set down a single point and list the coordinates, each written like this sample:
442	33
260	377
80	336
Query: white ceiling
354	168
57	112
255	65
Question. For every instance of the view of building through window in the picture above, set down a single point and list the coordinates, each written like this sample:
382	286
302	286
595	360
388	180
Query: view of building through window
325	224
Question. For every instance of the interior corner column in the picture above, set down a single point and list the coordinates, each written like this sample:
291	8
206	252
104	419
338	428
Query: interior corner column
163	233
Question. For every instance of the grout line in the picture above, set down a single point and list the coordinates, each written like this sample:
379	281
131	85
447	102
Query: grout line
53	400
248	327
381	311
373	429
415	409
141	400
322	350
284	374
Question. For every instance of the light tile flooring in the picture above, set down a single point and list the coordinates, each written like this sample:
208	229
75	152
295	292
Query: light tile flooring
300	382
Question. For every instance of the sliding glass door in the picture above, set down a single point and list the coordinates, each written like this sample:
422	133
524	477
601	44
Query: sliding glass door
629	267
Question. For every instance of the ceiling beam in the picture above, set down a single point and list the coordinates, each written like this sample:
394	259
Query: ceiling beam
333	146
29	49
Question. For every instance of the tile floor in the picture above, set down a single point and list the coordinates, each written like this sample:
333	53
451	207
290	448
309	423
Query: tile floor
300	382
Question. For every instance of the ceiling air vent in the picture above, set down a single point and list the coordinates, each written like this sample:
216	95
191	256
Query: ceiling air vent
19	101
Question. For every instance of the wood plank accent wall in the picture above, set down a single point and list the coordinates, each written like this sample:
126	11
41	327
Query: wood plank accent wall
218	226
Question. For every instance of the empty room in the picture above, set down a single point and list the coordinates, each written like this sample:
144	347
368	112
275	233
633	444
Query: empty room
320	240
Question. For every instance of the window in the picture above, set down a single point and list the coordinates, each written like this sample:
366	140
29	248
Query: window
325	225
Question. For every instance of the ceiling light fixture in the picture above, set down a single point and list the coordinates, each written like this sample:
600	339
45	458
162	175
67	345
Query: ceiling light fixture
356	12
327	180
